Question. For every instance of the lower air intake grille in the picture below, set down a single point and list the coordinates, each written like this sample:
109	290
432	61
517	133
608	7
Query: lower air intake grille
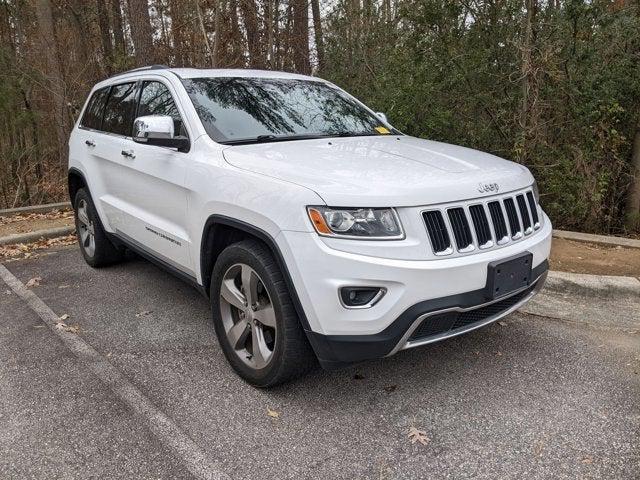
452	321
437	231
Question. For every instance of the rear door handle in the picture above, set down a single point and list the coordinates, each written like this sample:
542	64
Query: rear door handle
90	143
128	153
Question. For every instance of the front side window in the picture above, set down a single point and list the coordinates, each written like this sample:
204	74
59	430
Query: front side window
92	117
156	99
120	108
242	110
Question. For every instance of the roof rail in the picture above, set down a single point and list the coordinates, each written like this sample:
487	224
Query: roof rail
141	69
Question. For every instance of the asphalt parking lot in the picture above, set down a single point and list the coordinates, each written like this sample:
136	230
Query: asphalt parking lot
150	394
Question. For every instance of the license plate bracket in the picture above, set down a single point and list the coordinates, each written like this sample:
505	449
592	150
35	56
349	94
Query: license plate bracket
507	276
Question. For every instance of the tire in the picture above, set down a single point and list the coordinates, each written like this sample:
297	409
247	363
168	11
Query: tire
96	248
283	352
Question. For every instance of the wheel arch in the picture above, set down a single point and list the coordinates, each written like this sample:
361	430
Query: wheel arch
75	181
221	231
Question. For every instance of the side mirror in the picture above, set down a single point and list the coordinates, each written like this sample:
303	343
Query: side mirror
382	117
158	130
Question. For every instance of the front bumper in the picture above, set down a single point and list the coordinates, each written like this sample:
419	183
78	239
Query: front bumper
415	290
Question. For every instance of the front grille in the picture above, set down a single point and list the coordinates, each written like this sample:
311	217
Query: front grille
512	215
469	227
460	226
534	210
524	214
499	224
438	233
481	225
451	321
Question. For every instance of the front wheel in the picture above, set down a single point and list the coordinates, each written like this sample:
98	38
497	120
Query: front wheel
96	248
254	318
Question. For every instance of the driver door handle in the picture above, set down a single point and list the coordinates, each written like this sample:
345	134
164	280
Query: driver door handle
128	153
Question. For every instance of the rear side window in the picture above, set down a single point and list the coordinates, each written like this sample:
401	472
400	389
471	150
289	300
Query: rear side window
92	117
120	108
156	99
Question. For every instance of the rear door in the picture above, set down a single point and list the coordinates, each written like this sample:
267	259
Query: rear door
149	204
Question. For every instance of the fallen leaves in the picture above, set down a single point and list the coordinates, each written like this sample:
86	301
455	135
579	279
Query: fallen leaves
502	324
144	313
418	436
34	282
587	460
358	376
273	413
28	250
60	325
390	388
25	217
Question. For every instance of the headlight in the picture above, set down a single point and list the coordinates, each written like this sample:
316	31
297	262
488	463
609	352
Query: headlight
365	223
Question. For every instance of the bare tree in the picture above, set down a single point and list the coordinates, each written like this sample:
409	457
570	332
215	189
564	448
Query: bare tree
250	16
54	73
317	31
300	12
105	34
118	32
141	32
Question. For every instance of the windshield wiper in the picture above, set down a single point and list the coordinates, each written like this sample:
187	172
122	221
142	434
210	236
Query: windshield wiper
270	138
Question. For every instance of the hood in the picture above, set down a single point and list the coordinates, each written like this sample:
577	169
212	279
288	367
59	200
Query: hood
379	171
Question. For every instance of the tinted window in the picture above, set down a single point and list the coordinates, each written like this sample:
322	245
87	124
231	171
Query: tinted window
155	99
92	117
237	108
118	114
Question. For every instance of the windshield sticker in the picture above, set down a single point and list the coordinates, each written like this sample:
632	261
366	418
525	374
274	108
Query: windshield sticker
383	130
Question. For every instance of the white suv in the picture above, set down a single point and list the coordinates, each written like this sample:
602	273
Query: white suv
316	229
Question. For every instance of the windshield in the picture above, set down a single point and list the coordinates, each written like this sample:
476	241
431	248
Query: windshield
237	110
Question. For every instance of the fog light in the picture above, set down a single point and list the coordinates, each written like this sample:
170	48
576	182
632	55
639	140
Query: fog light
361	297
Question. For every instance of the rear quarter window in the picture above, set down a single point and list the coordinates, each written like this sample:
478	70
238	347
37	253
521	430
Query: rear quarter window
92	117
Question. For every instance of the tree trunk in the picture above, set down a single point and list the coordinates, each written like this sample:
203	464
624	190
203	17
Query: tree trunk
118	32
300	11
56	82
250	16
105	34
633	200
317	31
526	73
141	32
177	30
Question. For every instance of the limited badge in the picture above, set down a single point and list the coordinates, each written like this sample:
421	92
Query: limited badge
382	130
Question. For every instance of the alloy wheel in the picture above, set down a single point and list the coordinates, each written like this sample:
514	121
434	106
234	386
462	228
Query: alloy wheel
248	315
86	229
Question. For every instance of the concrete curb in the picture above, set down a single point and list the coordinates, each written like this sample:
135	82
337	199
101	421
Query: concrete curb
598	239
35	209
565	283
37	235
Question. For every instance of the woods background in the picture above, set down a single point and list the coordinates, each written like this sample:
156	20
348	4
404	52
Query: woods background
552	84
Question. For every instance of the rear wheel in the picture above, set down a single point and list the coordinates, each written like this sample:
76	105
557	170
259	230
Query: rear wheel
254	318
96	248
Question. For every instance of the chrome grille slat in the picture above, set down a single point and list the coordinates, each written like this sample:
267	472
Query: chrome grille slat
481	226
512	215
534	210
498	220
524	214
499	223
460	227
438	234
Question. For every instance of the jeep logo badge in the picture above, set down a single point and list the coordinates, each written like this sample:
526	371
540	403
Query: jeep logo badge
488	187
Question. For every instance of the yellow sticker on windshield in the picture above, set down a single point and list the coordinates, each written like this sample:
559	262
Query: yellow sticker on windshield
382	130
